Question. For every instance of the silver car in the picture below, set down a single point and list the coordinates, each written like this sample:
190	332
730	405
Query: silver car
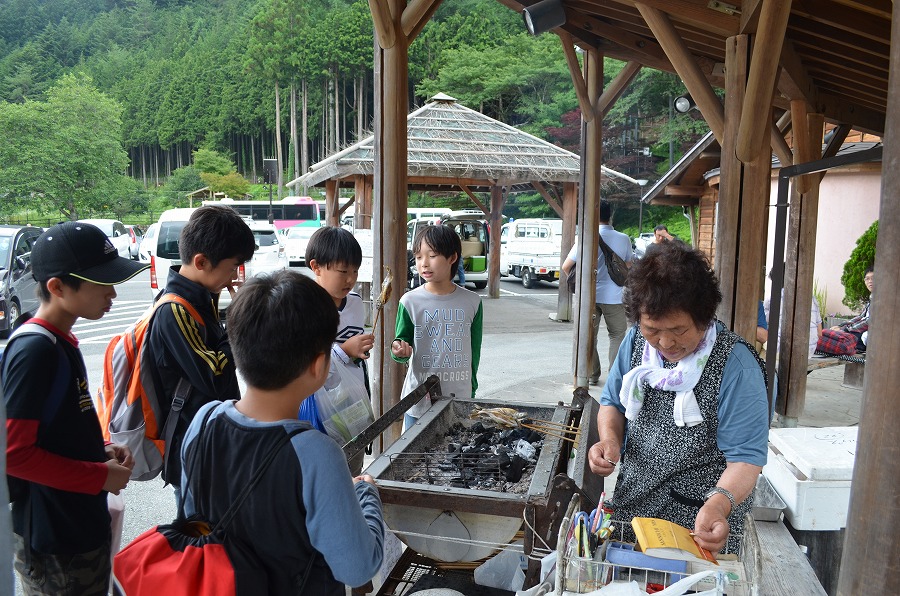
116	232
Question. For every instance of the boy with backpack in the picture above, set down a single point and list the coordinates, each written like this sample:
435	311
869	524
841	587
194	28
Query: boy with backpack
334	256
60	469
328	530
213	244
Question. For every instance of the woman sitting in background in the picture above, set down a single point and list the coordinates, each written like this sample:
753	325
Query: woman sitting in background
847	339
684	409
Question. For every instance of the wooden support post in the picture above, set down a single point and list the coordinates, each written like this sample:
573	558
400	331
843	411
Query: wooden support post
773	21
869	563
799	267
591	158
331	199
728	213
570	207
494	241
392	93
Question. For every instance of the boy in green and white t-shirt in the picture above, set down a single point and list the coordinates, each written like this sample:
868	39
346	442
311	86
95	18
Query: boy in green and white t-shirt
439	323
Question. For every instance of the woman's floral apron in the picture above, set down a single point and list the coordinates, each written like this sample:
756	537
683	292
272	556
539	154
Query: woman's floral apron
666	470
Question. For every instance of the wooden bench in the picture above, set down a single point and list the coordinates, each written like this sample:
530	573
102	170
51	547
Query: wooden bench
854	369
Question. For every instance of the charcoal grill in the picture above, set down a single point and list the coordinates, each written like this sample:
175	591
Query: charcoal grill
454	523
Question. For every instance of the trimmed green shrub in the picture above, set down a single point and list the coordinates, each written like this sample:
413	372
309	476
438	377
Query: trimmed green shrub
862	257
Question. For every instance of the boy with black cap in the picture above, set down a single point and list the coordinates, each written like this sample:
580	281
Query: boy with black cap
55	449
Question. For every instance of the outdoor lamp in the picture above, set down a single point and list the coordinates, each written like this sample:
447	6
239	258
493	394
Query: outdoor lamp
684	104
544	16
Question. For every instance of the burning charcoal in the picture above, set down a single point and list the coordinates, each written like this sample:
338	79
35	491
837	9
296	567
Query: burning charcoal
488	464
525	450
477	428
507	434
533	437
468	449
504	458
482	439
515	469
453	447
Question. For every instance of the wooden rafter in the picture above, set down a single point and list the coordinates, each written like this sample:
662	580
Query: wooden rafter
423	18
475	200
384	23
793	81
687	68
550	200
763	69
616	88
584	102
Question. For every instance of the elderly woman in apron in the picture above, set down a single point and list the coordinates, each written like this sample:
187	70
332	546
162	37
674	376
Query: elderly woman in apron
684	408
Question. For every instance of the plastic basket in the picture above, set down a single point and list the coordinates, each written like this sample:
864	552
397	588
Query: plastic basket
581	575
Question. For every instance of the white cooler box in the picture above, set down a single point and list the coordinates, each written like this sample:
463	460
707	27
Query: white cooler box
811	470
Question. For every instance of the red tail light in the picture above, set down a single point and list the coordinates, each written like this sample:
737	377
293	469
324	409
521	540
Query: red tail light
153	282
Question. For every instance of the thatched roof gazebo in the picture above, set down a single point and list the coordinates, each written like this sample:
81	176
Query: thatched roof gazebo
453	148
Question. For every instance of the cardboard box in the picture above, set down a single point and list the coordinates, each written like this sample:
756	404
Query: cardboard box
811	469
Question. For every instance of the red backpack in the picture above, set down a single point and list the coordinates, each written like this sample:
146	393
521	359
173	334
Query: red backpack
129	408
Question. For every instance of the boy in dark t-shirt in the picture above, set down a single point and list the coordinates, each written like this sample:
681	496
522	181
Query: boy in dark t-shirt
55	451
309	522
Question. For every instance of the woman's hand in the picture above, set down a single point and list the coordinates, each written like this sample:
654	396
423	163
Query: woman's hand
401	349
603	457
711	526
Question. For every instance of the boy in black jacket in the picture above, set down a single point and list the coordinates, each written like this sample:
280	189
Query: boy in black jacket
59	466
213	244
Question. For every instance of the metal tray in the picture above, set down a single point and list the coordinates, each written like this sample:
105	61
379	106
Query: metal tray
767	505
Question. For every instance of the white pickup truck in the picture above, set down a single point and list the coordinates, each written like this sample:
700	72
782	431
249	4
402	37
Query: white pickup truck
530	249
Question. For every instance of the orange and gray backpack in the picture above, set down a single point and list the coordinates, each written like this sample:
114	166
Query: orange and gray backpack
128	405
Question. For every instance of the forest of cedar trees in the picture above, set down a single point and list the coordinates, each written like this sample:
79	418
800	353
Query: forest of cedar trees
125	106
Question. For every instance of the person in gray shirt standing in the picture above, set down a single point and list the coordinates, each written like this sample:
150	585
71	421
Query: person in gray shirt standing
608	294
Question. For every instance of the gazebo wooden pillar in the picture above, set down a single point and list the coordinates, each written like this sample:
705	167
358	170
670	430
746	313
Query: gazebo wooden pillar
569	207
496	222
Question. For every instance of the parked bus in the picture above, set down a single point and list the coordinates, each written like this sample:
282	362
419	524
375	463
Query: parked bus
286	213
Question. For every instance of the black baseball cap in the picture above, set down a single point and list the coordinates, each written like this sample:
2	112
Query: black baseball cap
81	250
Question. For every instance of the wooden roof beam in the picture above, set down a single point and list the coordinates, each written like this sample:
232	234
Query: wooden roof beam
688	69
779	146
794	81
543	192
384	23
475	200
750	10
416	15
617	87
653	55
761	80
693	12
584	102
681	190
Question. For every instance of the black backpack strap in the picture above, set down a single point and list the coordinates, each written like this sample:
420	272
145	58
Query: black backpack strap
257	476
182	393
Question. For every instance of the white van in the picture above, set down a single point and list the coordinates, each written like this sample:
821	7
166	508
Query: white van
269	256
531	249
427	212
